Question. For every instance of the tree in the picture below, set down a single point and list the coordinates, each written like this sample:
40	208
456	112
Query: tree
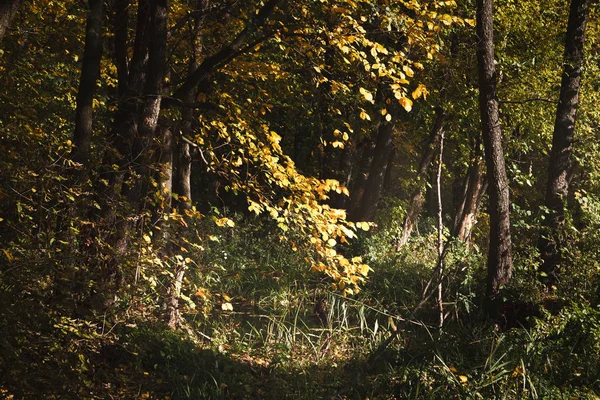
8	11
499	264
474	188
90	70
552	241
416	199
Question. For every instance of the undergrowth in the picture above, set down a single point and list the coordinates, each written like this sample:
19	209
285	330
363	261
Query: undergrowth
257	324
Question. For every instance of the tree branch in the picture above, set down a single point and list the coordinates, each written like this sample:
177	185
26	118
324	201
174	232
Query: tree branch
225	54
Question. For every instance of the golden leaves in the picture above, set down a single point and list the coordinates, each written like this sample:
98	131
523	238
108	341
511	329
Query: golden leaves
421	90
367	95
406	103
224	222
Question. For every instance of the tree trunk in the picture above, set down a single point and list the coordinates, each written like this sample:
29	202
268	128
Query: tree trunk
90	70
173	316
387	180
416	198
367	150
499	263
557	190
466	215
148	119
8	11
440	232
165	181
368	205
120	22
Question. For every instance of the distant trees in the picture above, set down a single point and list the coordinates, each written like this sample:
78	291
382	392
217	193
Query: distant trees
286	110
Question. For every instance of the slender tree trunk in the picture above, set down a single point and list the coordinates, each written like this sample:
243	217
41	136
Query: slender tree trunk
8	11
173	316
90	70
165	181
499	263
440	229
368	205
557	190
466	215
416	201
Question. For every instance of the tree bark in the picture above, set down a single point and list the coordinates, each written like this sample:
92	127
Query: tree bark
120	22
499	264
165	181
148	119
8	11
368	205
90	70
367	150
416	201
440	232
466	215
551	242
387	180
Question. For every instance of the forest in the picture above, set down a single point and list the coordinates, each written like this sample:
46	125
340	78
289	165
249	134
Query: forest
310	199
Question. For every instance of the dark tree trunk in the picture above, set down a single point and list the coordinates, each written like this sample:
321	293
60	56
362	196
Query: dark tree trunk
126	135
343	175
367	150
499	263
557	189
120	21
150	111
368	205
387	180
90	71
8	11
183	172
415	204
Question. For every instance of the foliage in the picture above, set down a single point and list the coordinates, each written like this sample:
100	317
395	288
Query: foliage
278	293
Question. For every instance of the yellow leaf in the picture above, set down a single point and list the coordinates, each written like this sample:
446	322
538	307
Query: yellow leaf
224	221
227	307
367	95
364	269
406	103
8	255
463	379
201	293
331	242
421	90
147	238
363	225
